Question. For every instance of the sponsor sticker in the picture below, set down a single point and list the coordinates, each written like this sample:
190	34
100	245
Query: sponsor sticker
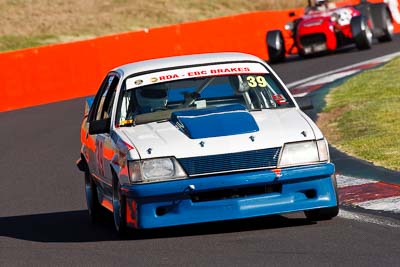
194	72
279	99
138	82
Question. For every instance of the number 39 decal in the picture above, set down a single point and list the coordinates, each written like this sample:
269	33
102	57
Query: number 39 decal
256	81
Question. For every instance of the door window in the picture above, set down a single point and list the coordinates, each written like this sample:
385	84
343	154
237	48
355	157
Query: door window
104	99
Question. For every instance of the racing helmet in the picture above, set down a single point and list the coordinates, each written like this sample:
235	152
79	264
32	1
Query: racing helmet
320	2
152	97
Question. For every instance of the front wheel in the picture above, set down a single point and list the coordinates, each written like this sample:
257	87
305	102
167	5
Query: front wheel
96	211
119	208
322	214
325	213
361	31
276	46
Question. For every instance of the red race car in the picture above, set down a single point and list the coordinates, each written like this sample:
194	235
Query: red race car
325	27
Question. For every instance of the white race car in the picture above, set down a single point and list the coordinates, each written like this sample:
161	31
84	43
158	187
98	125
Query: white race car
201	138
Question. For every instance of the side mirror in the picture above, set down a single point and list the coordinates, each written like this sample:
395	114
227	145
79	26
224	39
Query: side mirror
88	105
100	126
305	102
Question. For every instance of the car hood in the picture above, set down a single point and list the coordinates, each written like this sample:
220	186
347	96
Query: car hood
250	131
314	21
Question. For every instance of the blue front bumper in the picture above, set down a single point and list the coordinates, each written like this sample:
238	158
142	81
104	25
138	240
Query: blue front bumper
230	196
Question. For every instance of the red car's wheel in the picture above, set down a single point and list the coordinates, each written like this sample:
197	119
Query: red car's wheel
361	31
276	46
386	25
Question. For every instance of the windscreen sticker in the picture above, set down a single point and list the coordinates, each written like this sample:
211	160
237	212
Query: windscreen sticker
280	99
195	72
254	81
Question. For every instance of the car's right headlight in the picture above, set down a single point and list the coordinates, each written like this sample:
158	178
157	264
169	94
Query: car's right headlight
157	169
302	153
289	26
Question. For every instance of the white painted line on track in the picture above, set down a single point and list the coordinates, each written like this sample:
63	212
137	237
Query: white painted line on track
391	204
344	181
330	78
381	59
300	95
368	218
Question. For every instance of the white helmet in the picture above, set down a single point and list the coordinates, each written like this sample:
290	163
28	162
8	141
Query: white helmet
152	97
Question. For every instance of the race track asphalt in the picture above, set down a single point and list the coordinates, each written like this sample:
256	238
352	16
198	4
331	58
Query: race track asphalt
43	218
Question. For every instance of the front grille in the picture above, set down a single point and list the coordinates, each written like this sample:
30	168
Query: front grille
236	192
255	159
312	39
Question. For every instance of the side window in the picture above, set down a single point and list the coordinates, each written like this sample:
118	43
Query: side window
128	107
104	99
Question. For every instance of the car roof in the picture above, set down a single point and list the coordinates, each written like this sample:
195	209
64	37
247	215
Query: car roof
179	61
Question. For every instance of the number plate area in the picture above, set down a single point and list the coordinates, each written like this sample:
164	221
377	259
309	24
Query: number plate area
315	48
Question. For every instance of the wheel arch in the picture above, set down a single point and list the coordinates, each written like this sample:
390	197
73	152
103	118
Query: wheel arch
116	171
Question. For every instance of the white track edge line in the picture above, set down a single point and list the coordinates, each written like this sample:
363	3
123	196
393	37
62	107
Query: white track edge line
315	77
367	218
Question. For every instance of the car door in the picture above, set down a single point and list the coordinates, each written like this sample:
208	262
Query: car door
103	150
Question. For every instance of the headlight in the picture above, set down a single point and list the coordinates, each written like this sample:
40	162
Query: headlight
289	26
302	153
159	169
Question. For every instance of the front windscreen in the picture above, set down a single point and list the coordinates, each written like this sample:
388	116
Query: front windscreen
155	96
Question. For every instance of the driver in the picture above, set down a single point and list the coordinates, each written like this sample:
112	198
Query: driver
151	98
320	5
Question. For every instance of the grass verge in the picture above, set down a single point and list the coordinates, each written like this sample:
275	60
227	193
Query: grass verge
13	42
362	116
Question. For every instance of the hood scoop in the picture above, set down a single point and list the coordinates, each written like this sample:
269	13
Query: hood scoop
214	121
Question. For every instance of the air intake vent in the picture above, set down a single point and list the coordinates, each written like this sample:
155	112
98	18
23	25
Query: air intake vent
255	159
313	39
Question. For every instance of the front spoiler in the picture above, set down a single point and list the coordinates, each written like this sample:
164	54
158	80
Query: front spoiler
170	203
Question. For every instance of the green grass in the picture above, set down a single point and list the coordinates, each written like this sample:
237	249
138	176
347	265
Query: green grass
362	116
14	42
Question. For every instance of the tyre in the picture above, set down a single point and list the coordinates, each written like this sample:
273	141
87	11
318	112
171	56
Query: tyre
119	208
96	211
382	22
362	34
325	213
276	46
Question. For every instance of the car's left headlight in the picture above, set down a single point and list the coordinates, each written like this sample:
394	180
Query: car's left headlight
302	153
157	169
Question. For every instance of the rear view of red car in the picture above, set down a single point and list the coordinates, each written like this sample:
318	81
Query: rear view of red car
327	28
